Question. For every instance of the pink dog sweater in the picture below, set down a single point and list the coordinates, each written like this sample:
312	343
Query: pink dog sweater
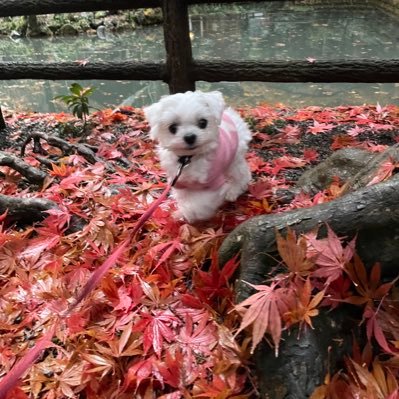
222	157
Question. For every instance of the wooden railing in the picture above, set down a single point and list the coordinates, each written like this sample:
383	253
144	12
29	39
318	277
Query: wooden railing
180	71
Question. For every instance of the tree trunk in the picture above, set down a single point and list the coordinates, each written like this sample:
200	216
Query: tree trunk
34	28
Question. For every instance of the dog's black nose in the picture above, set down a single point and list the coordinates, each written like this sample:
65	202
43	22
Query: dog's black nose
190	138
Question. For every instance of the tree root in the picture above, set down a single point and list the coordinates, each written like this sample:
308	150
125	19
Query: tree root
25	210
371	212
31	173
87	152
28	210
368	210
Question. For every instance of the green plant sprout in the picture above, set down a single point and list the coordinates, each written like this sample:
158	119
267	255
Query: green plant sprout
78	101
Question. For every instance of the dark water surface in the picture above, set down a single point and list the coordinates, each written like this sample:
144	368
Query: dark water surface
262	31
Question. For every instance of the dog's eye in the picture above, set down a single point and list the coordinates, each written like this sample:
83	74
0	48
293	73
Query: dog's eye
173	128
202	123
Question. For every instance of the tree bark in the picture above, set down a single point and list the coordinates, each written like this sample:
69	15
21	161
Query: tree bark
367	210
2	121
25	209
35	176
87	151
370	212
307	355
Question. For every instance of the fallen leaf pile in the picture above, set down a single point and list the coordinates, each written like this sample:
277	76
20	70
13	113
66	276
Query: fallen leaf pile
162	322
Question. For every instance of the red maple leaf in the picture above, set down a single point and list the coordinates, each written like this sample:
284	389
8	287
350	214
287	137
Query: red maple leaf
320	127
376	382
77	321
300	303
58	220
256	163
214	284
196	340
61	171
261	188
170	369
374	329
369	289
156	328
16	393
384	172
285	162
139	371
310	155
342	141
262	311
291	133
337	291
39	246
108	116
355	131
218	387
167	249
82	62
331	256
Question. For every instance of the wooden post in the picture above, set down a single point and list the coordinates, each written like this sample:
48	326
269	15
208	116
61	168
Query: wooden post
178	45
2	121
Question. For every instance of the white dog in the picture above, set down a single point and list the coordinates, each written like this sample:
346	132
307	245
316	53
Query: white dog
215	138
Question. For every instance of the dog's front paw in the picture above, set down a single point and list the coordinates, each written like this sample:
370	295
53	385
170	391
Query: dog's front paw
198	214
185	216
233	192
178	215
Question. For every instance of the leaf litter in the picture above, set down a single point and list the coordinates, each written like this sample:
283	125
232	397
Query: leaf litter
162	321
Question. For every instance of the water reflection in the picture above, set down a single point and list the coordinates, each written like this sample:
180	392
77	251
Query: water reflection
284	32
276	30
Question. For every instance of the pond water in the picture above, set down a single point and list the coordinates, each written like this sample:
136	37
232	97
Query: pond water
255	31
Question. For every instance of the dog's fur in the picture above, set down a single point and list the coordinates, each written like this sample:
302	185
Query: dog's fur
184	114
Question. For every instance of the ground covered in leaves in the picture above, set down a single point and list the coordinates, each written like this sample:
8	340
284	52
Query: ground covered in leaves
162	322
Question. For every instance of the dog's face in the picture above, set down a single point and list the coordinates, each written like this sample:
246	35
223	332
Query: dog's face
186	123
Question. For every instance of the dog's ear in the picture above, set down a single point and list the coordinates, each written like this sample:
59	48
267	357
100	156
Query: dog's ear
152	114
216	103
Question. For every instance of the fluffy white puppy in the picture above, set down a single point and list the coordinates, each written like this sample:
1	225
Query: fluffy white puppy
198	125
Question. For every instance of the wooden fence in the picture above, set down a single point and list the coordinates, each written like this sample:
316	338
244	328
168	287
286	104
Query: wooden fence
181	71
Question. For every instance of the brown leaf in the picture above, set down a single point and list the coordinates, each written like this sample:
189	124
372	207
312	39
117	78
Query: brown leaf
293	252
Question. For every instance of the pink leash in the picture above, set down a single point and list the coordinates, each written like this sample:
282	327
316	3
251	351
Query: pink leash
10	381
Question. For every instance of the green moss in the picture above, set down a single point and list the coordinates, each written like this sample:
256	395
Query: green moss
81	22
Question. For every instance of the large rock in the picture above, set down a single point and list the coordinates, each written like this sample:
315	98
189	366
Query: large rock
68	30
343	164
